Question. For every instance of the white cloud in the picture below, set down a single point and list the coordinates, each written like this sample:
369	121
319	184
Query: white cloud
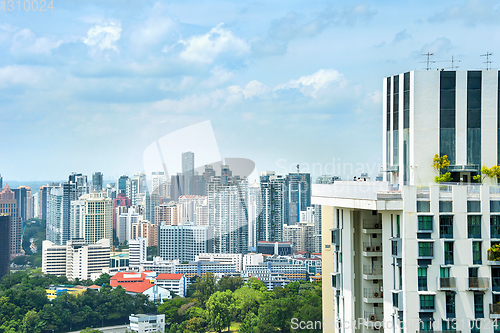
253	88
12	75
103	36
24	40
154	29
219	76
311	85
205	48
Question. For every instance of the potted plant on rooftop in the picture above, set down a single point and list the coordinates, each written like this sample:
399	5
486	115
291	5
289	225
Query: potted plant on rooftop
441	163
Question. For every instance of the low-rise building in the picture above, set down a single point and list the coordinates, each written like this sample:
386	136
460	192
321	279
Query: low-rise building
252	259
173	282
223	258
200	268
158	265
56	290
154	292
146	323
275	274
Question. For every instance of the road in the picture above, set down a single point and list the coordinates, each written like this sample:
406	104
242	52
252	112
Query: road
110	329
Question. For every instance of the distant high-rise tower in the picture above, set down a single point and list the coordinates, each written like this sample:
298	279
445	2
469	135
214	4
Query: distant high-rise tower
1	181
97	181
8	205
142	182
274	203
4	242
122	201
121	184
42	196
91	218
188	163
24	202
299	195
157	179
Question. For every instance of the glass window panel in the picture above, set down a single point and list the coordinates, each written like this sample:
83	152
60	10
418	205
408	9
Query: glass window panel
447	100
473	206
425	206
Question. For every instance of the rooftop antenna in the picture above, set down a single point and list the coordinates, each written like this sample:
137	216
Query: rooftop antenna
488	61
428	61
453	61
298	168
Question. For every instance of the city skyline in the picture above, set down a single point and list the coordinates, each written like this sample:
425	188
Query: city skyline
120	77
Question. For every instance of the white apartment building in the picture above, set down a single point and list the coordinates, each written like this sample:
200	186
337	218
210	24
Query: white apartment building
77	259
252	259
409	254
147	323
183	243
158	265
173	282
124	223
223	258
137	251
189	205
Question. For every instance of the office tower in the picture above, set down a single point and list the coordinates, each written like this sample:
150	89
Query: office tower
91	218
299	195
81	183
227	198
157	179
43	194
189	205
76	259
8	205
254	208
132	190
125	222
413	252
24	202
120	201
274	203
152	201
169	214
97	181
183	243
188	163
111	191
142	186
4	242
121	184
137	251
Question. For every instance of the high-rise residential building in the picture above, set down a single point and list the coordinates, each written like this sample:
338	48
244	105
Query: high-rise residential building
8	205
92	218
137	251
202	215
43	193
189	205
227	198
157	178
412	252
111	191
169	214
254	208
188	163
299	195
121	201
142	182
24	202
76	259
121	184
144	229
97	181
274	207
4	242
300	236
36	204
132	190
183	243
124	223
317	228
1	181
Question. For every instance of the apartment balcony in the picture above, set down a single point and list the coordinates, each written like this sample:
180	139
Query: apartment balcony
474	191
446	284
423	192
494	311
445	191
372	250
494	191
372	272
373	316
478	283
372	227
493	259
372	295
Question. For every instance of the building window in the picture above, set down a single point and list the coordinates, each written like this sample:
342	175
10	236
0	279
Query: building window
425	326
445	206
395	300
423	206
474	226
446	226
398	226
476	253
475	326
473	206
495	226
494	206
425	223
449	326
450	305
479	305
448	253
427	302
422	278
425	249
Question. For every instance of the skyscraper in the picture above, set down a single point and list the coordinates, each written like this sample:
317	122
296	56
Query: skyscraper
43	195
274	203
120	201
8	205
299	195
157	178
183	243
121	184
152	201
4	242
188	163
24	202
97	181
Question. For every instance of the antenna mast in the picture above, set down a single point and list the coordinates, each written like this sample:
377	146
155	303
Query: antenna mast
429	61
488	61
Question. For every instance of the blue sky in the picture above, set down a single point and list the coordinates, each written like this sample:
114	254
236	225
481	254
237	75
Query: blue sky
88	86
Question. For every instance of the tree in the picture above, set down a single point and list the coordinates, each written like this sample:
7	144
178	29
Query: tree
230	283
441	164
103	279
90	330
205	288
492	173
219	310
250	324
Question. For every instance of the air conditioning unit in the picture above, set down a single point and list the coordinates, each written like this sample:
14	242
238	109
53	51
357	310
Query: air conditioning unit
378	225
369	249
375	281
376	294
372	317
378	248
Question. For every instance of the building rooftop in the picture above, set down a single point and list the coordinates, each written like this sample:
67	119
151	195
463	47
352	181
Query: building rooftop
169	276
